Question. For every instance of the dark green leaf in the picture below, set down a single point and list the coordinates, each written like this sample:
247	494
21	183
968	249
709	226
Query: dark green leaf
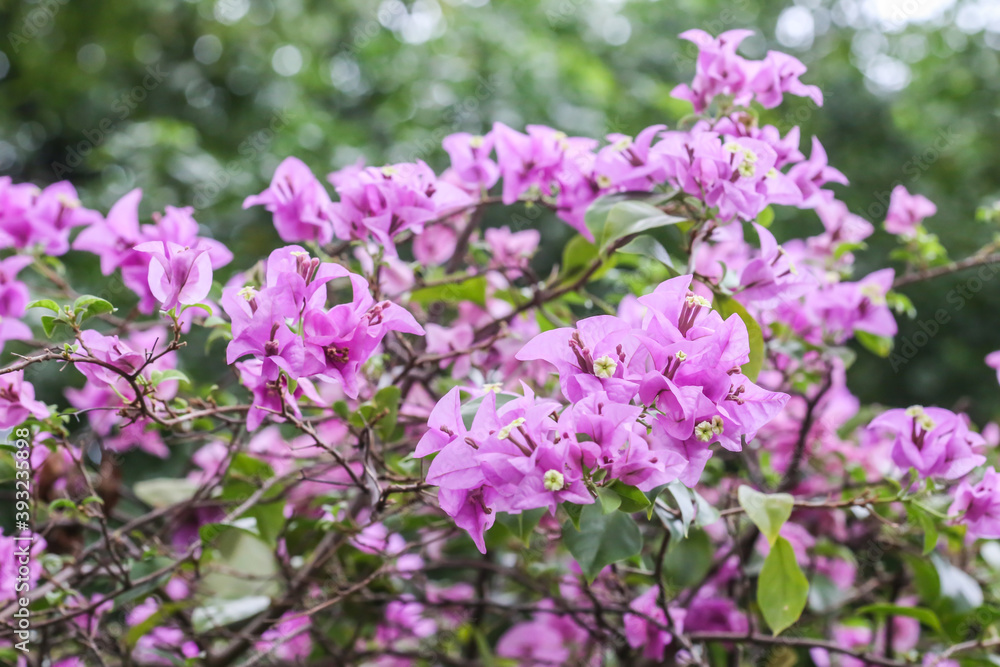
609	500
602	539
574	513
632	499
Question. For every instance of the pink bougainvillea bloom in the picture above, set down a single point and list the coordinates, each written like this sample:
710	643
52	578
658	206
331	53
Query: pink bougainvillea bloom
470	158
512	250
980	505
811	175
114	239
178	275
993	361
907	211
779	73
719	71
772	277
644	631
17	400
300	204
34	218
14	295
934	441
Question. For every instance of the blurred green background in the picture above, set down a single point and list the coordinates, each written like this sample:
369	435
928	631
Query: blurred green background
196	102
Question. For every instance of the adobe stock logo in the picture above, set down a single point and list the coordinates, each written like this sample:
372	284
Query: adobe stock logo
957	298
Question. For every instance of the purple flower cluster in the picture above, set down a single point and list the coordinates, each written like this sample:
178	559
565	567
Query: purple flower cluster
375	203
288	332
648	394
721	72
183	259
730	164
979	505
33	218
934	441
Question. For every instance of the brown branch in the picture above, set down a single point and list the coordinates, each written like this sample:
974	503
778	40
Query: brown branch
978	259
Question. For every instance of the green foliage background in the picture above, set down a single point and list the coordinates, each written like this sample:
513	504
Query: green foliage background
196	102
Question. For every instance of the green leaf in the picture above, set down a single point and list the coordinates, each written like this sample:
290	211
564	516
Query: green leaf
473	289
573	511
602	539
768	511
250	467
523	525
157	376
578	254
685	503
204	306
614	217
62	504
49	324
140	570
926	522
647	246
962	592
926	579
246	564
688	560
632	499
163	492
726	306
782	589
226	612
878	345
706	513
88	306
609	500
387	405
765	217
925	616
45	303
270	520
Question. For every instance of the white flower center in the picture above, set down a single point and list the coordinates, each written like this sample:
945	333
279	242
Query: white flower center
717	425
703	431
605	367
505	431
554	480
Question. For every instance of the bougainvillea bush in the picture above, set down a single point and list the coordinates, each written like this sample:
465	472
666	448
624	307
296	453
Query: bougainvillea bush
420	448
